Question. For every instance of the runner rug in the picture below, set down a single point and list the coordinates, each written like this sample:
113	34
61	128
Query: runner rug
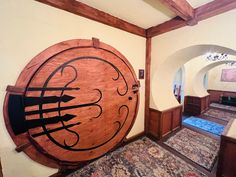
199	148
206	125
218	114
137	159
225	107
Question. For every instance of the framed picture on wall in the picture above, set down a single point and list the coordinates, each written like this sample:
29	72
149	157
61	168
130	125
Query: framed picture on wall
228	75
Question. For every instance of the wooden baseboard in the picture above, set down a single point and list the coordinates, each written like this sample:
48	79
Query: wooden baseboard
1	174
134	138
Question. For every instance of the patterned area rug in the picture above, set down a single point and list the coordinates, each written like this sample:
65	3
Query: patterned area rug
218	114
138	159
195	146
221	106
206	125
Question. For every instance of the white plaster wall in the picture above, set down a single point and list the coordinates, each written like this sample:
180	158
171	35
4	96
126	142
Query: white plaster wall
198	67
199	89
27	28
192	67
168	55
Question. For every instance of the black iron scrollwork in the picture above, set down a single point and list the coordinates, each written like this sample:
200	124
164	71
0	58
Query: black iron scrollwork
62	97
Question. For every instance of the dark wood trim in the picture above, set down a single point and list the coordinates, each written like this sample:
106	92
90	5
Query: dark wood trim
96	42
227	154
214	8
16	90
166	110
181	8
227	127
161	123
231	92
86	11
194	106
215	95
226	130
58	174
21	147
133	138
147	81
203	12
1	174
167	26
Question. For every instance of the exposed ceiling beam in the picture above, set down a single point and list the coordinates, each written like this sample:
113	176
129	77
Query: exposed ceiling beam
84	10
180	7
167	26
201	13
214	8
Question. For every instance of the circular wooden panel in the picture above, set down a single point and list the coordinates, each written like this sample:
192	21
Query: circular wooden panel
80	100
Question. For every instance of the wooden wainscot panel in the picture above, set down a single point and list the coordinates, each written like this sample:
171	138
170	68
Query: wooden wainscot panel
204	103
195	105
177	118
227	156
154	123
215	95
164	122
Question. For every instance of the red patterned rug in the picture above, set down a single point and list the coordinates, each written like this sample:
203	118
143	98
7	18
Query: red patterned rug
138	159
225	107
199	148
218	114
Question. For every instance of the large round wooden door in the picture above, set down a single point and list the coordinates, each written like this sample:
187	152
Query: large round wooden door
80	100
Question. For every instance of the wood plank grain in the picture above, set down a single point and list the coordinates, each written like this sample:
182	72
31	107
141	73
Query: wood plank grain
181	8
163	122
104	107
214	8
147	81
167	26
86	11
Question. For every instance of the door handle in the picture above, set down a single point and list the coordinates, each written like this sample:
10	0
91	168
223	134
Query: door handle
135	87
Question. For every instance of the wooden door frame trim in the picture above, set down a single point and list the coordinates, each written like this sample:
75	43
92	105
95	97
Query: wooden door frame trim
147	82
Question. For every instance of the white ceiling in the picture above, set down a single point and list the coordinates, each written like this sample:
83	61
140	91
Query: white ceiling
143	13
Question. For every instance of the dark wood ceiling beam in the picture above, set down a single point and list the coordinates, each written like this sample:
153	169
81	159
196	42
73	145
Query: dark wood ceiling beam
203	12
84	10
180	7
214	8
167	26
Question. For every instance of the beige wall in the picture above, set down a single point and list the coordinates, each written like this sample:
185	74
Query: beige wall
214	79
191	69
171	50
195	70
27	28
